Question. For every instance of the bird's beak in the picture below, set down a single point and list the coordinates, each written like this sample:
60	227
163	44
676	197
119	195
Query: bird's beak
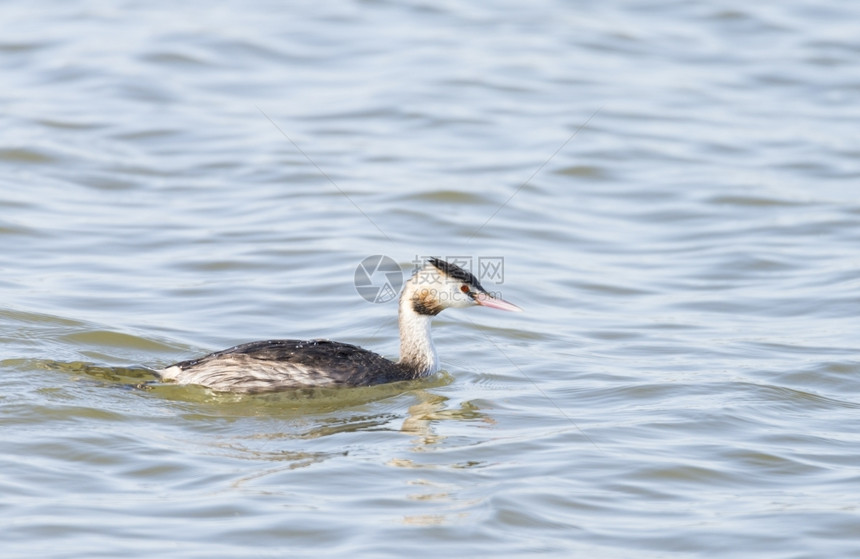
487	300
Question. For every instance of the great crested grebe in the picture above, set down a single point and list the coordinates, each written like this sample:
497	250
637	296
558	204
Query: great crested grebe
284	364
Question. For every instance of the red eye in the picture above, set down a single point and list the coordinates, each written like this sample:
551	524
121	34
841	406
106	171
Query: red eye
464	288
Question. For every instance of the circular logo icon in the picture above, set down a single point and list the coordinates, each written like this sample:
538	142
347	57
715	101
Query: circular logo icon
378	279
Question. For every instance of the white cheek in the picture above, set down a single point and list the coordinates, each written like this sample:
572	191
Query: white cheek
458	299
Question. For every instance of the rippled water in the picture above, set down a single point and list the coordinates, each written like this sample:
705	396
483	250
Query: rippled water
672	187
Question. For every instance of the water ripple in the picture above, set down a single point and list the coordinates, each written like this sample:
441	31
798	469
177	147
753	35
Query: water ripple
683	382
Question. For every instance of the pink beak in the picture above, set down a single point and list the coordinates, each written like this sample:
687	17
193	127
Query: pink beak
487	300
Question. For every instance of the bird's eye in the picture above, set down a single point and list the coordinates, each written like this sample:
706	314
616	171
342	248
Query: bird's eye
464	288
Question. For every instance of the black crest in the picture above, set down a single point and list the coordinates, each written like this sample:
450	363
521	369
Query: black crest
455	272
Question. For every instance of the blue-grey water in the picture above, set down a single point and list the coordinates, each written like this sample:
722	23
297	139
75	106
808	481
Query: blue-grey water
671	187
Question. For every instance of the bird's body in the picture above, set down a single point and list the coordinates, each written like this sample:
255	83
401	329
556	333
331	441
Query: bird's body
283	364
272	365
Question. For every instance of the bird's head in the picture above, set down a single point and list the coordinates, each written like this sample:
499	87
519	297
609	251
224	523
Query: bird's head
440	285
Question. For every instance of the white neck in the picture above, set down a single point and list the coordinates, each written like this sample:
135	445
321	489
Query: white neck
416	346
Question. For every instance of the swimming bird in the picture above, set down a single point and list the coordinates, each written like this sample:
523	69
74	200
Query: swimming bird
273	365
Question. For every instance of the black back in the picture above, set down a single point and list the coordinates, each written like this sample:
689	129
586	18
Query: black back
339	363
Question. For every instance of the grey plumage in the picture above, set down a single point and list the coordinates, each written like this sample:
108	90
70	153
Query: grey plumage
282	364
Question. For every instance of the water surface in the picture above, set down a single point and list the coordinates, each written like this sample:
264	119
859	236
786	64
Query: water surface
672	187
